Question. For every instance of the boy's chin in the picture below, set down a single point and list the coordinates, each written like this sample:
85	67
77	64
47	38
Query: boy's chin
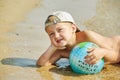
61	47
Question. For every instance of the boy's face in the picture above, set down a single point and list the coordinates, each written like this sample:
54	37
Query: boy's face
61	33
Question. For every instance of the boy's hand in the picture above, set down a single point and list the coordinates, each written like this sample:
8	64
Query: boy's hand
57	47
61	47
94	55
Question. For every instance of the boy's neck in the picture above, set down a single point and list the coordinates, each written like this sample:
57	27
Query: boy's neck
80	37
77	38
72	42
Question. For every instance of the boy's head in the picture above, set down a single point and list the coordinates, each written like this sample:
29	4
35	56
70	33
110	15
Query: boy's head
60	17
61	28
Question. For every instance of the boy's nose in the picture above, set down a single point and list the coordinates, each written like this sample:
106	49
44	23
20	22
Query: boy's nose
57	35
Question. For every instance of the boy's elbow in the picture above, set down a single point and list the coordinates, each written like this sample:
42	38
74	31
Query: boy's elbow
38	63
41	63
112	60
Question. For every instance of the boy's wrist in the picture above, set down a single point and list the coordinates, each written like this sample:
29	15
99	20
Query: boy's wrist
53	48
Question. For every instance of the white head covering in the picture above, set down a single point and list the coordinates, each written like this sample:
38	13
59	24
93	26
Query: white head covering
64	16
58	17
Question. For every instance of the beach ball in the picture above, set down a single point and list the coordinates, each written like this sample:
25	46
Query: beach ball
77	59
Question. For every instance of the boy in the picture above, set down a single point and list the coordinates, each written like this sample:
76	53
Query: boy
64	35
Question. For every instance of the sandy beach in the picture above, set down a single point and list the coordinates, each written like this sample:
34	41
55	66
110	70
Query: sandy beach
23	38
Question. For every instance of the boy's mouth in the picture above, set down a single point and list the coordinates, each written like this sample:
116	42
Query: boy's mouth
59	40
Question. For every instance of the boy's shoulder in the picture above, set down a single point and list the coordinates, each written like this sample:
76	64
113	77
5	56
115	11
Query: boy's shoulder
87	33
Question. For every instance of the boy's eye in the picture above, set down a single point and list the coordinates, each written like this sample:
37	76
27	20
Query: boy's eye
51	34
60	30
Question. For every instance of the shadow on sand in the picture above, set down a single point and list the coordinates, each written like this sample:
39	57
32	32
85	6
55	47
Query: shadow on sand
65	71
22	62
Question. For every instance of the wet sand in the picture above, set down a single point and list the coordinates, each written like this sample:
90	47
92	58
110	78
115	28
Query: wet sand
23	39
53	73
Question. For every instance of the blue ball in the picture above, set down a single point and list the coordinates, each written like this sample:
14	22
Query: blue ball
77	62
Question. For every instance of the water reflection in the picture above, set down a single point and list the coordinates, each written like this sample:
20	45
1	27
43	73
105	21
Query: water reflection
22	62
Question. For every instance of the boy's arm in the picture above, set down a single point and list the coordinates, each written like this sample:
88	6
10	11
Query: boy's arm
48	57
110	56
107	48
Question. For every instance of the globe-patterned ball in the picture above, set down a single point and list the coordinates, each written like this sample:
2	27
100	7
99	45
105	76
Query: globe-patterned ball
77	62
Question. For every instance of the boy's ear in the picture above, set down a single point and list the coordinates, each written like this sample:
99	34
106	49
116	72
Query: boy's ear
74	27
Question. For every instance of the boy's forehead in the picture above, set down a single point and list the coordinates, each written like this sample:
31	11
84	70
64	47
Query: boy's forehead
56	26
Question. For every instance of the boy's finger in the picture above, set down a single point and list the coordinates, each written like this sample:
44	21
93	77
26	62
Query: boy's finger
91	61
89	55
90	50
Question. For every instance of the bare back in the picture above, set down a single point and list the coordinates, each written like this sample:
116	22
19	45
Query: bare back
109	43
